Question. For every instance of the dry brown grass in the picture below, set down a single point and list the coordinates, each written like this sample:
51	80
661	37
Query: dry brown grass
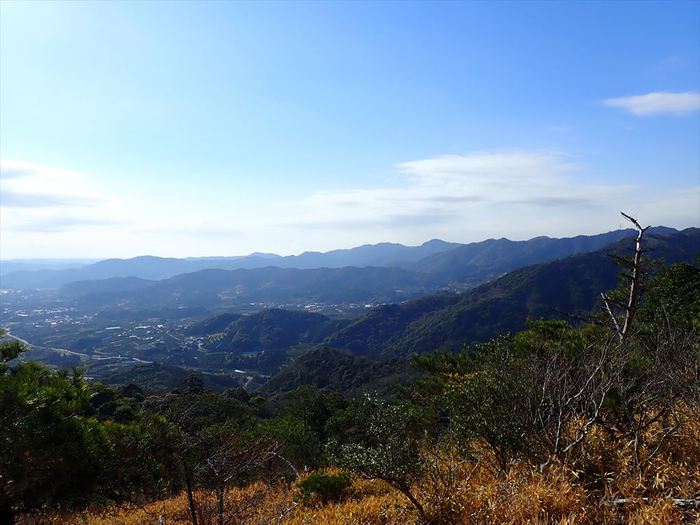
473	492
522	495
258	503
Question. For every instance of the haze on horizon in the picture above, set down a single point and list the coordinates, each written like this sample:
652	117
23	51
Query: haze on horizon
203	129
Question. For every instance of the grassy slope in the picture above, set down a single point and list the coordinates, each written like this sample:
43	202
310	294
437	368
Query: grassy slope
480	494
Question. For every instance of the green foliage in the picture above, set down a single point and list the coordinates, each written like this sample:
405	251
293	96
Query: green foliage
9	350
45	450
300	445
329	369
301	425
378	440
474	394
55	453
159	378
323	488
137	461
674	297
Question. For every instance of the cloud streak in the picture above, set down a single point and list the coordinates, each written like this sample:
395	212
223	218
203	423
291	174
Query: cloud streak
63	224
35	198
27	185
518	193
12	199
658	103
449	187
470	197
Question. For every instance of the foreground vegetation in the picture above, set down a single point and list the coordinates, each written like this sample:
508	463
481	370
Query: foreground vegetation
590	422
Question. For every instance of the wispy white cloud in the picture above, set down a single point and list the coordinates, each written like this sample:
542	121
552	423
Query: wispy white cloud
447	187
50	211
513	193
658	103
480	194
62	224
27	185
39	198
15	199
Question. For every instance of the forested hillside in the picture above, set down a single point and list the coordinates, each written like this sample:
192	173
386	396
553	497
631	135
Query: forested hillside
479	262
340	371
557	289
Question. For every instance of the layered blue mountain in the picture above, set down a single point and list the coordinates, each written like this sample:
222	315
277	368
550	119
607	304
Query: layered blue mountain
447	263
215	288
480	262
156	268
306	346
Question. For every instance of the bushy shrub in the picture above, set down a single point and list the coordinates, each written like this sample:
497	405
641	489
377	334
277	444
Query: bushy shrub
323	488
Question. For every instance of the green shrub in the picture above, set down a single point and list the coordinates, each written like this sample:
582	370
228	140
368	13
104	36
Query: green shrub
323	488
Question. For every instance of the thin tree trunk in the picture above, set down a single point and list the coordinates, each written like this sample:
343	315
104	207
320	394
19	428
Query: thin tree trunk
190	497
220	504
635	279
405	489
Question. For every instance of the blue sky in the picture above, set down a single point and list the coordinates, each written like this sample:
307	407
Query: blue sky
221	128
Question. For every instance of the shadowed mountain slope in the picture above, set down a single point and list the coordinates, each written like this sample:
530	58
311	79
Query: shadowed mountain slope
570	285
477	263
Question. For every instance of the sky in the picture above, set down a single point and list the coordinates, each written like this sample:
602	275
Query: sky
224	128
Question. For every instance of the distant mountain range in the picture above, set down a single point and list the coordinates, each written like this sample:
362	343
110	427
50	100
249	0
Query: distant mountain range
27	265
480	262
388	255
447	321
229	288
446	263
370	351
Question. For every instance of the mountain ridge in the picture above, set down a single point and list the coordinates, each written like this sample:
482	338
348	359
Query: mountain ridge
570	285
432	256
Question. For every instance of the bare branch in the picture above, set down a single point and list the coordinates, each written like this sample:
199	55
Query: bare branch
633	221
635	280
607	301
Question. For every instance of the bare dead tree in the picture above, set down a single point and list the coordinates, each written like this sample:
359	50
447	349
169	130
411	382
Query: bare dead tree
231	461
571	393
644	415
630	306
567	397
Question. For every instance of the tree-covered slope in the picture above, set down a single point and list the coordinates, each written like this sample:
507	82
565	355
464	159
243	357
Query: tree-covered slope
368	334
212	325
328	368
570	285
271	329
476	263
221	288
